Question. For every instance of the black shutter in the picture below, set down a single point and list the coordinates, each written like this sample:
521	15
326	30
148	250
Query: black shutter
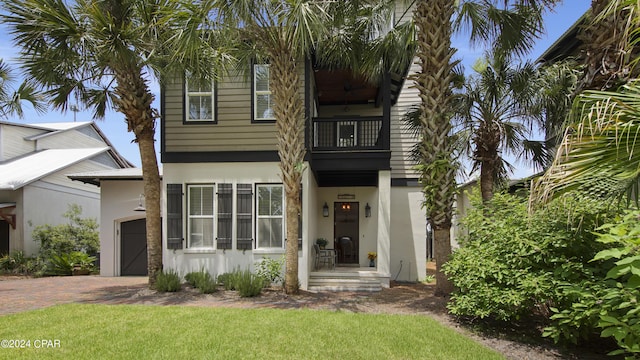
225	216
174	216
244	215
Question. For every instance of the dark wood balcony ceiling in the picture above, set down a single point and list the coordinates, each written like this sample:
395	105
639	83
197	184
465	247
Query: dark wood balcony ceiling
342	87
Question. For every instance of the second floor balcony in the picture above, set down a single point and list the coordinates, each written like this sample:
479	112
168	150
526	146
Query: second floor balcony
348	134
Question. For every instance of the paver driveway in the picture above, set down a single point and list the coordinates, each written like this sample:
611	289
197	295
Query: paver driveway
18	295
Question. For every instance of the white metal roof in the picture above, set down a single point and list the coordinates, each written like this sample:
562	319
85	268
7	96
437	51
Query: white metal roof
94	177
57	126
25	170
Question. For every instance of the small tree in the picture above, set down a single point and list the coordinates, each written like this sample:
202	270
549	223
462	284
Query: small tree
80	234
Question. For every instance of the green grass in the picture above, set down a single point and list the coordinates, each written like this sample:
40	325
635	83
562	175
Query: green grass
173	332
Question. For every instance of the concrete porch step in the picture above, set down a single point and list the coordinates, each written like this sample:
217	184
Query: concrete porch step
344	281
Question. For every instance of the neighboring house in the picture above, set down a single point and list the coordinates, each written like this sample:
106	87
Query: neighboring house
34	189
224	197
123	240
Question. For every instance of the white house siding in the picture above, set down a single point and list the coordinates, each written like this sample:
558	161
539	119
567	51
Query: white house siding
234	130
57	198
71	139
15	235
408	234
13	143
215	260
121	196
402	140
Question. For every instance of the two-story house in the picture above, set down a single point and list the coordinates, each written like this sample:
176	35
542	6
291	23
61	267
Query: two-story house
34	188
224	199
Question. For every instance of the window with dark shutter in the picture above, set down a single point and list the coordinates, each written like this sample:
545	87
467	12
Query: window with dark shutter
244	220
225	216
174	216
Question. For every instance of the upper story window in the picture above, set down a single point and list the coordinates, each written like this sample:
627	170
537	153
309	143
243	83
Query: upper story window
262	97
199	101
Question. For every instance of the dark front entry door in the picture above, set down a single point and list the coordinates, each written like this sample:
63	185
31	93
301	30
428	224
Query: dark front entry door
133	248
4	237
345	230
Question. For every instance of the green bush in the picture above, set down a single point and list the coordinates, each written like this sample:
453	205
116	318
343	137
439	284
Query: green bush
228	280
78	235
64	264
203	281
513	264
17	263
168	281
248	283
270	270
609	301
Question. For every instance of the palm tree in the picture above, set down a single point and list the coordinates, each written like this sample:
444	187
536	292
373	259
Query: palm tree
284	34
598	155
498	110
103	54
510	25
11	101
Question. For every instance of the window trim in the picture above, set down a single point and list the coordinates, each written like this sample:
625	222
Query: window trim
189	217
254	94
185	102
258	216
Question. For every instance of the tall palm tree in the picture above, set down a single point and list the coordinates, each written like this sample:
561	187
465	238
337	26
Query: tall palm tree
497	108
284	34
11	100
103	54
507	23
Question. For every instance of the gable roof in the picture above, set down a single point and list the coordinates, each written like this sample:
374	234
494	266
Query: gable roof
20	172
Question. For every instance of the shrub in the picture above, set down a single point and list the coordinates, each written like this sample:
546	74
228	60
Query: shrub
17	263
168	281
78	235
64	264
227	280
248	283
202	280
512	264
270	270
609	300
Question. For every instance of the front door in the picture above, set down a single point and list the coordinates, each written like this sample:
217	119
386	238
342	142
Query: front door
345	230
4	237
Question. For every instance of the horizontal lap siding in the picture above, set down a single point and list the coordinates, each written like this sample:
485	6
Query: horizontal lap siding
234	130
402	140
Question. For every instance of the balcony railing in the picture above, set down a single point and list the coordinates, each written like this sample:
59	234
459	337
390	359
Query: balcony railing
347	134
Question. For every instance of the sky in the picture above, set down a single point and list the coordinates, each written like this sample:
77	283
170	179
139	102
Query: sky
115	128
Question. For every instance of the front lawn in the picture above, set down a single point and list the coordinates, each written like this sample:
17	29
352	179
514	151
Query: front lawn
173	332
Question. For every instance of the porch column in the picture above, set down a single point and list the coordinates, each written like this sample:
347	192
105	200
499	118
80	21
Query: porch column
384	224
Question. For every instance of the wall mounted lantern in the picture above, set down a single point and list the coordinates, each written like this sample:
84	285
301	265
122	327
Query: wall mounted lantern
367	210
140	207
325	210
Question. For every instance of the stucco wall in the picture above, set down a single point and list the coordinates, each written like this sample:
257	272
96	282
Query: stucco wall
119	198
214	260
408	234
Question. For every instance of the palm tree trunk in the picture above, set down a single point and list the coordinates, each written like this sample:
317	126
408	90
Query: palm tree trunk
433	19
134	101
486	180
289	113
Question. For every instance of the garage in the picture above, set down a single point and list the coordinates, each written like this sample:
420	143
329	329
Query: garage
4	237
133	248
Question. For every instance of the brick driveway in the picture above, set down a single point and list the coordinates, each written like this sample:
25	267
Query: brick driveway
24	294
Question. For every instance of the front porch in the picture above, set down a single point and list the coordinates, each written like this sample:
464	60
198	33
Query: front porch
347	278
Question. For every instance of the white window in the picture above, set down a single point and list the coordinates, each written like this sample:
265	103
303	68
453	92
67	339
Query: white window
262	97
199	101
270	225
201	216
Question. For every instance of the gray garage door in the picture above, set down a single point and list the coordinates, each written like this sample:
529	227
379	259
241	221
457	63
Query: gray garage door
133	248
4	237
